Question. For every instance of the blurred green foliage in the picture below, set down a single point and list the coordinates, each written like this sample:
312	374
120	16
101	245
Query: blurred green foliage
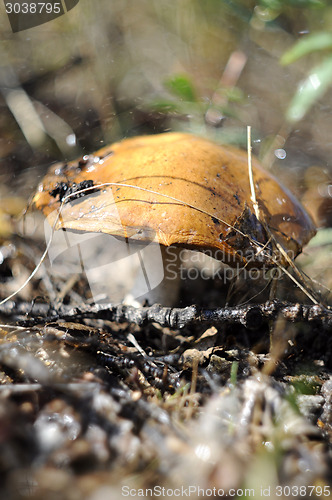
181	86
278	5
307	45
116	68
319	78
310	90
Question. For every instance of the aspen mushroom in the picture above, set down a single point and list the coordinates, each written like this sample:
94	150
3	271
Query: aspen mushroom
179	191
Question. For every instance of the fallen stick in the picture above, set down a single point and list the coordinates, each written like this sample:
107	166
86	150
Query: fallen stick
251	316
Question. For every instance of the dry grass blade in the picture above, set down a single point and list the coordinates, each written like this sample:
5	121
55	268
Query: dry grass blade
279	249
251	175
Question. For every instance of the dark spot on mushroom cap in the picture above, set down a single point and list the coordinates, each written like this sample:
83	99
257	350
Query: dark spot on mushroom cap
236	196
73	191
60	189
106	155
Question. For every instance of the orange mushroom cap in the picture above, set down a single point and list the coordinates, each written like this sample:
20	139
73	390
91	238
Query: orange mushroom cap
175	189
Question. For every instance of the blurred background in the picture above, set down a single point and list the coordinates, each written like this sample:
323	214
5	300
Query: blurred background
113	69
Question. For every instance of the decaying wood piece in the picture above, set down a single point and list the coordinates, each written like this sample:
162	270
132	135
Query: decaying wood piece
250	316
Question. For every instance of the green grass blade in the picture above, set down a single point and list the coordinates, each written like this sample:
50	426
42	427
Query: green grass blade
311	43
310	90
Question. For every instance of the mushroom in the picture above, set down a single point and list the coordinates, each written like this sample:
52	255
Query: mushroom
178	191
